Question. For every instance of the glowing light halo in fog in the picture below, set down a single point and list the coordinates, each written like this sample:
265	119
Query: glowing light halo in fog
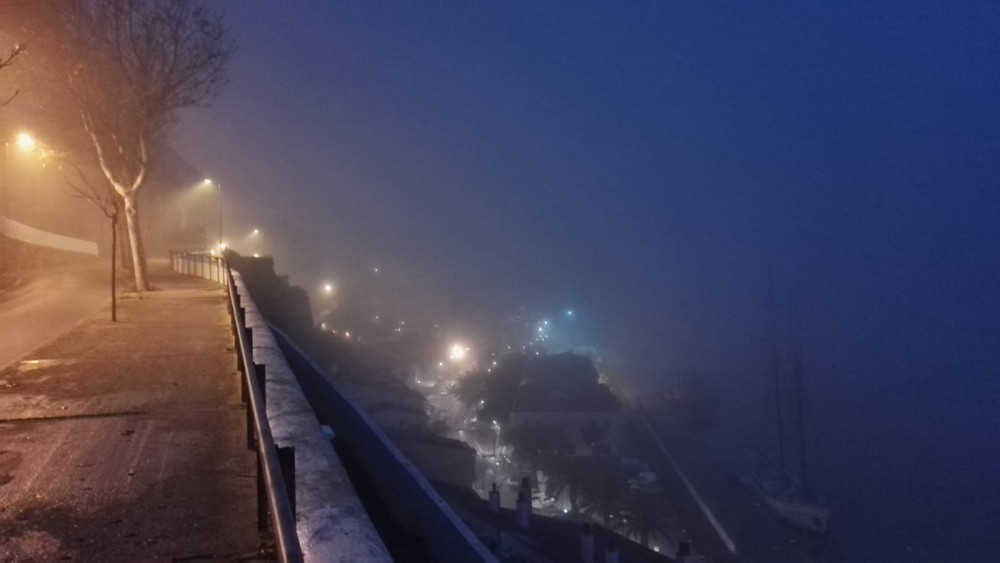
457	352
25	142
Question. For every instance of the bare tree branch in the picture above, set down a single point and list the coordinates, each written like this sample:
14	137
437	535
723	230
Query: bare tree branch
9	60
101	195
116	73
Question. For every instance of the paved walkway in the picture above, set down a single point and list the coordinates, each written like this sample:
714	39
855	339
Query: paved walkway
48	303
125	441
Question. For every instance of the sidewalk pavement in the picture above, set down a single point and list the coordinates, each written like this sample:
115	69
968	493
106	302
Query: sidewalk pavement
125	441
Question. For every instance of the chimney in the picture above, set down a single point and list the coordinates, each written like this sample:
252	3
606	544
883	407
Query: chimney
611	555
523	509
494	500
587	544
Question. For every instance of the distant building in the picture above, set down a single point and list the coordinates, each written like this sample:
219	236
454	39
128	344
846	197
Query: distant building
562	392
566	367
519	535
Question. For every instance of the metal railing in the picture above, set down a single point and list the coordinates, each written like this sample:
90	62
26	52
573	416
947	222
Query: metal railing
275	465
406	494
199	264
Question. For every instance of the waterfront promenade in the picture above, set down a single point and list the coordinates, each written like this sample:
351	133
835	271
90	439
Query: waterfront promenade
125	441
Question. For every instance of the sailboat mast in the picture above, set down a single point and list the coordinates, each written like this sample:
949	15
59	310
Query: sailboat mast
774	369
799	390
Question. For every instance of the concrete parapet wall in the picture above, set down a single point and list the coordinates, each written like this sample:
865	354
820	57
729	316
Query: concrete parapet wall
332	524
407	494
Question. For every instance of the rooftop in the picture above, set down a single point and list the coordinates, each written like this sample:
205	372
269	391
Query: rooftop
552	539
562	396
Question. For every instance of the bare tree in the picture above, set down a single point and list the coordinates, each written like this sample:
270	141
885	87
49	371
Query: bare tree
7	61
119	71
102	195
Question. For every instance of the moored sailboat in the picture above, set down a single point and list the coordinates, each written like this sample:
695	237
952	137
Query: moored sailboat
787	498
783	494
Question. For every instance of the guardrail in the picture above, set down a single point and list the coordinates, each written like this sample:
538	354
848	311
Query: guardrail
199	264
275	465
404	491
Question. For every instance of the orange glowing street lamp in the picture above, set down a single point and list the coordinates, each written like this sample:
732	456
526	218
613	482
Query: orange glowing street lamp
26	143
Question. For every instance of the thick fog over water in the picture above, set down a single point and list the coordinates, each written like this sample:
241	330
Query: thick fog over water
645	165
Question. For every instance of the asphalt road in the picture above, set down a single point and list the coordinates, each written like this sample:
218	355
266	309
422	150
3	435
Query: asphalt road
50	303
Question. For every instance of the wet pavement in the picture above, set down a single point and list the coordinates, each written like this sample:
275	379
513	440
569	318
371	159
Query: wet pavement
125	441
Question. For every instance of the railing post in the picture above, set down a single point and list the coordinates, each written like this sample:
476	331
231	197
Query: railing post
260	371
244	387
239	353
258	375
286	458
262	512
251	438
249	331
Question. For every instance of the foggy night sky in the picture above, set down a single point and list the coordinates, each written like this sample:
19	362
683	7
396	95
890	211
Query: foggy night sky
644	163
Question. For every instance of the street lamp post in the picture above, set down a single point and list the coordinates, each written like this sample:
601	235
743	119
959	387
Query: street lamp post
27	144
218	187
3	212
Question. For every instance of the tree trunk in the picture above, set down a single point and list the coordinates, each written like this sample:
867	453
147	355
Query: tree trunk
124	256
135	239
114	277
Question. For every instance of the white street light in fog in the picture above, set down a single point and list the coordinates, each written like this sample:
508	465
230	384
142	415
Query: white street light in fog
25	142
458	352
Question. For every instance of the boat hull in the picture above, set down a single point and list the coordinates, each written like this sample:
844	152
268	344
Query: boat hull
812	516
786	498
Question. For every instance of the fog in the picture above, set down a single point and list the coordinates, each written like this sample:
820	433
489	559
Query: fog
646	165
